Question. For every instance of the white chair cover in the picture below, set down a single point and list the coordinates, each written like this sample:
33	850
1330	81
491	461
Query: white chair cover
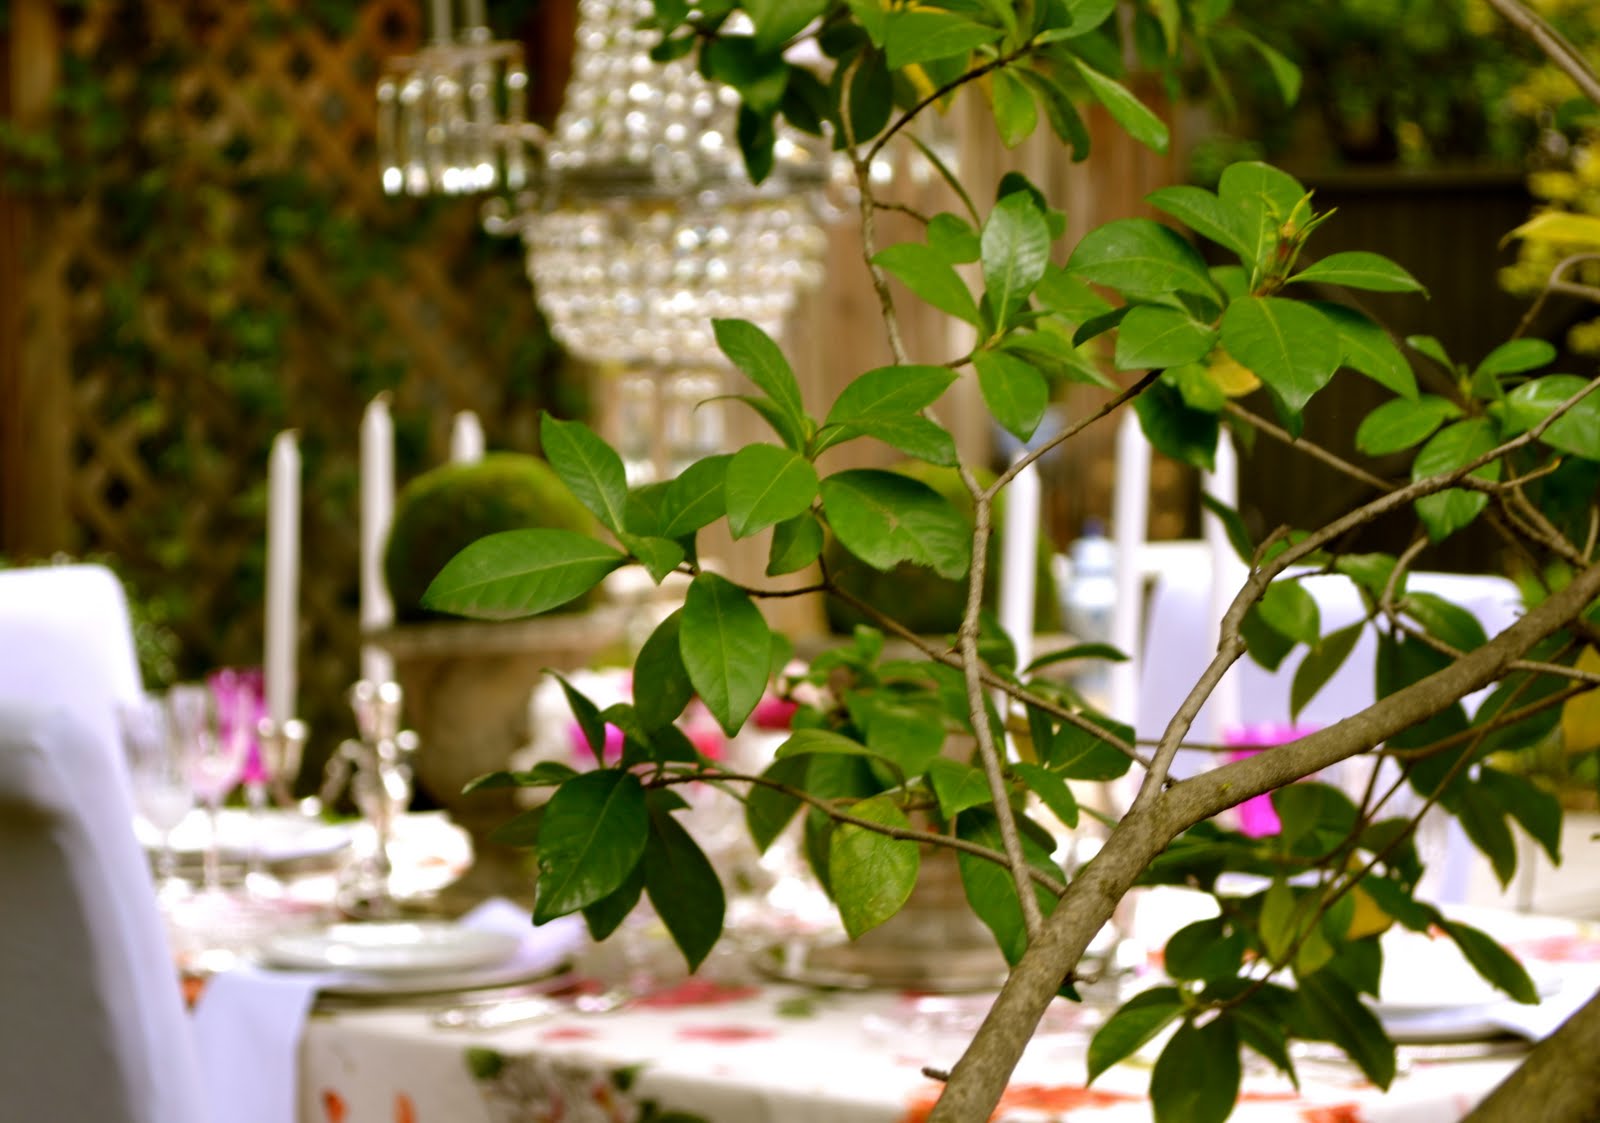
94	1027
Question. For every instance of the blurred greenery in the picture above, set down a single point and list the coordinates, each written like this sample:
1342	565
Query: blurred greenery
226	282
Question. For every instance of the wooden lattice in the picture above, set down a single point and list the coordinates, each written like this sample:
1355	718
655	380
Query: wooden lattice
168	400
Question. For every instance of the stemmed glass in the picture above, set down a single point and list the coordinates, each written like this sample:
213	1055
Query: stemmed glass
240	699
158	771
215	761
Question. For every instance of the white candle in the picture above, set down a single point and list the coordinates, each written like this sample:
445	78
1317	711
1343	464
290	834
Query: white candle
1227	576
1130	518
377	512
283	575
466	438
1019	552
443	32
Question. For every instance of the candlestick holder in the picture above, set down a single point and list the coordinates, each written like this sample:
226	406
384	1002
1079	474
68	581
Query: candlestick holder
282	749
377	770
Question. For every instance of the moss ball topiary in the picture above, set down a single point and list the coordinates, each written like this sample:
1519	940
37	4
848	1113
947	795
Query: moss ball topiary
445	509
916	596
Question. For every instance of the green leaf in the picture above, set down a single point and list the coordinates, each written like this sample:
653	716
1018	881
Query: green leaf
1321	663
1288	345
958	786
1077	754
724	641
767	810
1484	820
1015	114
1205	949
544	774
683	887
1444	620
659	556
1537	810
871	874
870	97
1059	110
910	736
778	21
1431	347
1185	434
1152	336
1369	349
1136	1023
1201	211
873	17
517	573
607	914
915	35
953	238
927	272
587	715
1078	651
1445	512
1052	791
696	498
765	485
991	889
1141	259
1517	357
913	435
1196	1078
1126	110
1497	966
521	831
803	742
1069	297
752	351
661	686
1370	572
1335	1013
796	543
753	127
1399	424
1357	269
1285	73
1265	197
1015	247
592	836
1577	431
1014	390
1232	523
890	391
589	467
885	518
1288	608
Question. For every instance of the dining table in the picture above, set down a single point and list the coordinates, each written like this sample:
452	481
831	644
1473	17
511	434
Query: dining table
593	1037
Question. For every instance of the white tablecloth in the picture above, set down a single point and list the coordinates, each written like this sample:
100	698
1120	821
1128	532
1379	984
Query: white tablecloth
737	1053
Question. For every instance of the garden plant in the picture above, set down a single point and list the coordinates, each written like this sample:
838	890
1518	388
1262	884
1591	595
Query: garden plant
1134	307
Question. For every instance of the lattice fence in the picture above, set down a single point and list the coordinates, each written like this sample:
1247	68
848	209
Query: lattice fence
229	267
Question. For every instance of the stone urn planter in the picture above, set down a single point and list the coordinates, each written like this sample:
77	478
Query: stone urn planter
467	690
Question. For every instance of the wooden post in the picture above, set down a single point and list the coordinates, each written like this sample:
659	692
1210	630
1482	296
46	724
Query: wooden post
35	412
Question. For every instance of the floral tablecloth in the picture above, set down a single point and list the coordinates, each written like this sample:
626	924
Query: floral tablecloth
760	1053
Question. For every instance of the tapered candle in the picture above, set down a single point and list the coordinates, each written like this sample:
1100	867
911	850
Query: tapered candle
1227	576
283	575
1019	551
377	512
1130	518
443	31
466	438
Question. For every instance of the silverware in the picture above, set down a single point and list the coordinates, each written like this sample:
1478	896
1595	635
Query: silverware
529	1008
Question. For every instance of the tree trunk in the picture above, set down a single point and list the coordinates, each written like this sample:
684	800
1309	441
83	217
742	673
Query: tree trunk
1558	1083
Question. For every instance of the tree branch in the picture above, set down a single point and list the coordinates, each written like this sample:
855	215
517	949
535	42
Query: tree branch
1553	43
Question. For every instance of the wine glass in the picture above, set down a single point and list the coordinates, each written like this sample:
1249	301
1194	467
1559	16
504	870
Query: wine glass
158	773
215	764
240	699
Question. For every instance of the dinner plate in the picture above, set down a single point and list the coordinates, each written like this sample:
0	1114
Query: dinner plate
277	835
391	948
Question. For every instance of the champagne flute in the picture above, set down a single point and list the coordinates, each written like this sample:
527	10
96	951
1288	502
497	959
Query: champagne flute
215	763
159	778
240	699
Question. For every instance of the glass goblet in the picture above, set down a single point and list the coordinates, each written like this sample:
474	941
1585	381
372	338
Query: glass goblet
215	763
240	699
158	775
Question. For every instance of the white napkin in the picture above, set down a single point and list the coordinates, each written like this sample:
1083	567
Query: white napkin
249	1021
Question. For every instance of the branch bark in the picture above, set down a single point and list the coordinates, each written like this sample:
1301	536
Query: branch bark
980	1077
1559	1079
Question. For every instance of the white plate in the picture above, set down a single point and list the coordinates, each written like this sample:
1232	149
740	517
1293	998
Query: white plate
391	947
277	835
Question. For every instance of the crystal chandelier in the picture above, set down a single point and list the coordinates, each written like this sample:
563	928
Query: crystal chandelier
639	220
